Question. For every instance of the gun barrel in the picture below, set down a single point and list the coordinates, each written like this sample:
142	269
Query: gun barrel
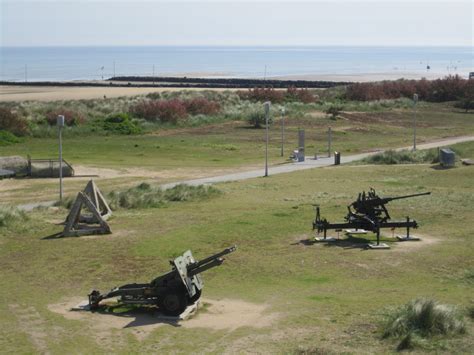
213	257
388	199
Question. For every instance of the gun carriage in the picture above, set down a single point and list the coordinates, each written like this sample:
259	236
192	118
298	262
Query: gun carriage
368	212
171	292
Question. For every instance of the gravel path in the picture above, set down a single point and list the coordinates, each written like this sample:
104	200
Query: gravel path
309	163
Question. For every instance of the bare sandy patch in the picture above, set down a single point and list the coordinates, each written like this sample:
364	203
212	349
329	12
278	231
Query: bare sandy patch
57	93
230	314
140	324
214	314
425	241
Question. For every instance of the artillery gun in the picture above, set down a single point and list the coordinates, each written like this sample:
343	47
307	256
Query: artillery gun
368	212
171	292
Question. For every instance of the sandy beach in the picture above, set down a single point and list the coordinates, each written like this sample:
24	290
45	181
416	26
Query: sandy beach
57	93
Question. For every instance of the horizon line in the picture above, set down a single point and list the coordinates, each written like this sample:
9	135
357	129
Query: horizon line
237	45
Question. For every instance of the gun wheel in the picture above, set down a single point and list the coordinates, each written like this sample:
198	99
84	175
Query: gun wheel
173	302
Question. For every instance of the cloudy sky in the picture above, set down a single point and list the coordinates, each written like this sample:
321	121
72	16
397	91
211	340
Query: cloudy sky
225	22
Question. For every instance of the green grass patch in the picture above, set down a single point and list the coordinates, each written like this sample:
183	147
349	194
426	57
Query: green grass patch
7	138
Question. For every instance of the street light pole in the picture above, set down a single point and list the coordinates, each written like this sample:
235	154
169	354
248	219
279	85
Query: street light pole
267	113
329	141
415	100
60	124
282	129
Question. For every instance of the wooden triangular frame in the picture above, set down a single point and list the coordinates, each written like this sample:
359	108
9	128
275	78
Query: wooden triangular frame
92	191
73	225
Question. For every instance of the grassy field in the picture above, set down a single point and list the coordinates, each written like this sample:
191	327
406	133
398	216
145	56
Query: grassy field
277	293
171	154
297	297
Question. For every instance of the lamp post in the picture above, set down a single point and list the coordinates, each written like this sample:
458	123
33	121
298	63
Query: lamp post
60	124
415	100
267	113
282	129
329	141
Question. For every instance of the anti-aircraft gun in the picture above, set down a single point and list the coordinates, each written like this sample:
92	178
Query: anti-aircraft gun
171	292
368	212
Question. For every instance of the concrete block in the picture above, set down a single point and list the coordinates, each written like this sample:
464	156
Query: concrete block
380	246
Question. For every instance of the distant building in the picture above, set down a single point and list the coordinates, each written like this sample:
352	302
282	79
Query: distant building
471	75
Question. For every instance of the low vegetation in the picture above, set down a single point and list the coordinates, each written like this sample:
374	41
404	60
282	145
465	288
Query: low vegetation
7	138
292	94
423	318
12	122
403	157
121	123
148	196
450	88
11	216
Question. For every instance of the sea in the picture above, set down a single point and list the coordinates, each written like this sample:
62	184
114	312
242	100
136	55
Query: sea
19	64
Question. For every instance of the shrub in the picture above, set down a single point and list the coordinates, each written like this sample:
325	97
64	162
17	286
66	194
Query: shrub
263	94
71	117
120	123
170	111
257	119
425	318
147	196
390	157
334	111
11	122
7	138
202	106
302	95
9	216
449	88
467	101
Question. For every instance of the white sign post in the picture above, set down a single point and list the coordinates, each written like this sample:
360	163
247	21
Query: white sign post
60	124
282	129
267	113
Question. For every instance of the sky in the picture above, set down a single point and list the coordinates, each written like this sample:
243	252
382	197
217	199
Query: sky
247	23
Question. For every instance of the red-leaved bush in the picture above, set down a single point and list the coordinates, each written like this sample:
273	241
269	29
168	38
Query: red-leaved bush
448	89
203	106
11	122
302	95
170	111
263	94
277	96
71	118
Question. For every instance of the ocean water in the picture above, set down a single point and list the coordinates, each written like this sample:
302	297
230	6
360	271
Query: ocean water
95	63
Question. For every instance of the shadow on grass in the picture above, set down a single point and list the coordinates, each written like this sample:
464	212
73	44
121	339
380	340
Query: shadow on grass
53	236
440	167
139	316
349	242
